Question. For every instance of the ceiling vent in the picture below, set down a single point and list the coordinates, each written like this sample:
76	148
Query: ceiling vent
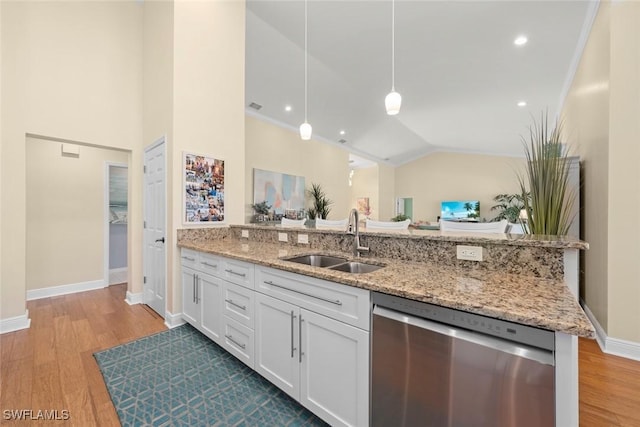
342	141
255	106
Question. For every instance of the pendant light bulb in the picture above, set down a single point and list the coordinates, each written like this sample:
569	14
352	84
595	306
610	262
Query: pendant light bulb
305	131
392	102
305	128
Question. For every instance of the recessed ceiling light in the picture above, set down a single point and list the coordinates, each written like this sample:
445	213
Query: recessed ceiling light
342	132
522	104
520	40
287	108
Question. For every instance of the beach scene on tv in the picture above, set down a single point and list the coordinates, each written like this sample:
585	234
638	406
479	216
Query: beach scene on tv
460	210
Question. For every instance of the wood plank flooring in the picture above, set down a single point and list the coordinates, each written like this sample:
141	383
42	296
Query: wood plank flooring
51	366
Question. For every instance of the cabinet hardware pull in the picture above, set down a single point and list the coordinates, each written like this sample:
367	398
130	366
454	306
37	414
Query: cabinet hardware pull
209	265
293	316
188	258
194	288
241	307
300	337
230	338
332	301
237	274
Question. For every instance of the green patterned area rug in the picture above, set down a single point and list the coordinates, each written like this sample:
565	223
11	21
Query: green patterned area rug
181	378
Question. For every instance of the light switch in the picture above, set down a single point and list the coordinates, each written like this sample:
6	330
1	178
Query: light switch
303	239
245	234
282	237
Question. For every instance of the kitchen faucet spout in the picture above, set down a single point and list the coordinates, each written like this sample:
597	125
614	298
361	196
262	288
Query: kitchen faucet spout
352	228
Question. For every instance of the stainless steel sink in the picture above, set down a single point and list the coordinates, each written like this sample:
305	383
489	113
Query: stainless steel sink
317	260
356	267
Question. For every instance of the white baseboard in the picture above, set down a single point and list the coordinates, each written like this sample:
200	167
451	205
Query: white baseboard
173	320
64	289
601	335
15	323
118	275
614	346
136	298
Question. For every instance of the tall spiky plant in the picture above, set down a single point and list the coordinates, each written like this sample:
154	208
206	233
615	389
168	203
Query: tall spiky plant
547	176
321	205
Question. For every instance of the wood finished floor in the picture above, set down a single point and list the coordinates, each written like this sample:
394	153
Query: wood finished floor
51	366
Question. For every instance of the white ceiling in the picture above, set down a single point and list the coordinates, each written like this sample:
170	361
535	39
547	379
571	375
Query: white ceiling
457	68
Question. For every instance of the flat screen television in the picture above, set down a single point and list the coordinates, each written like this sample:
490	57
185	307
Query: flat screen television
460	210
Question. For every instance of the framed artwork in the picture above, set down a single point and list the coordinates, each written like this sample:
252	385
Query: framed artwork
362	204
203	179
283	193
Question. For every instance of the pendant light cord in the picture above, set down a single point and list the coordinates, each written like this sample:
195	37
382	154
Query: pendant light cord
305	62
393	45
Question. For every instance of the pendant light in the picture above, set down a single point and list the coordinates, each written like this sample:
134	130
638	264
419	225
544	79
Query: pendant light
393	100
305	128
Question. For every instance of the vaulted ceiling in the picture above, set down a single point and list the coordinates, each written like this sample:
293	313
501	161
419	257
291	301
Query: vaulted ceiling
456	65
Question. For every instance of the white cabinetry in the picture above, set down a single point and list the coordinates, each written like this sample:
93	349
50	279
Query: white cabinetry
309	337
316	359
217	299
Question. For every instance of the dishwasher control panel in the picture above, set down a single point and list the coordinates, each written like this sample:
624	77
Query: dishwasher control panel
474	322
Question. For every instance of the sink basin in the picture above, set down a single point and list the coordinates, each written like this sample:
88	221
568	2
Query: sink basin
356	267
317	260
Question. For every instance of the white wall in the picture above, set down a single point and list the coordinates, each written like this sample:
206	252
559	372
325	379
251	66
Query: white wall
601	116
273	148
365	183
454	176
65	214
75	73
157	119
208	103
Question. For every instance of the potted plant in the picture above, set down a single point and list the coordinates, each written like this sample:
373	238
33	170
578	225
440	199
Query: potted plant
509	207
321	205
399	218
547	178
262	211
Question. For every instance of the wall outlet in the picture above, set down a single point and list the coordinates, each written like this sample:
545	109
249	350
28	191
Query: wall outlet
282	237
303	239
245	234
470	253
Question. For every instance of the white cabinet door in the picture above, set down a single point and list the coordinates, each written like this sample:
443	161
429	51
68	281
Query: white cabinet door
277	337
211	306
334	378
190	306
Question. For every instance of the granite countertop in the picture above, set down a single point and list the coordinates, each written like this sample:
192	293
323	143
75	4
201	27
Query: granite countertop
560	242
543	303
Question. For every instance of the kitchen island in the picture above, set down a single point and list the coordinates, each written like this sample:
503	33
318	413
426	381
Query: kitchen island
529	280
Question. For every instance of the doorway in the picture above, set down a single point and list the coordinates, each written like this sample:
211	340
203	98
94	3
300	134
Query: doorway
404	206
154	253
116	205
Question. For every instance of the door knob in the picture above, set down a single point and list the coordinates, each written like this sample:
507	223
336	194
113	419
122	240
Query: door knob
160	240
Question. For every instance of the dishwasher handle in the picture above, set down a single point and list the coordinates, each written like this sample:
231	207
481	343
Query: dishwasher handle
545	357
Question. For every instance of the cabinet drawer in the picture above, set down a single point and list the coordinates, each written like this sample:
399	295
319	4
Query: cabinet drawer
238	340
210	264
189	258
341	302
238	272
238	304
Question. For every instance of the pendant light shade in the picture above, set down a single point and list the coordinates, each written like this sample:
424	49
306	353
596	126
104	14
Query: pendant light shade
305	131
305	128
393	100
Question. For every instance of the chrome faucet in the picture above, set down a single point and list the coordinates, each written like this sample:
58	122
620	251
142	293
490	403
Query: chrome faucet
352	228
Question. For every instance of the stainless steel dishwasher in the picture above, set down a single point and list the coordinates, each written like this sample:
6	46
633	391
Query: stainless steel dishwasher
435	366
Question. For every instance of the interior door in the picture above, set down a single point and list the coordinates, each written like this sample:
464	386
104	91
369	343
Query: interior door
155	227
